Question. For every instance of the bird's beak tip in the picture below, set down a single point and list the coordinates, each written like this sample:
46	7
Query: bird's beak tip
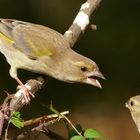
101	75
98	84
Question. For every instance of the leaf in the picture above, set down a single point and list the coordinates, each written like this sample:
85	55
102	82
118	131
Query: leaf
77	138
91	133
16	120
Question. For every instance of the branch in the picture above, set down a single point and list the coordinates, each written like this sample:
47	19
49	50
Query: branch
81	21
33	85
42	126
45	118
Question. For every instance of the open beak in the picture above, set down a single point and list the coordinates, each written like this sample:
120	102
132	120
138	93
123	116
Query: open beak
92	78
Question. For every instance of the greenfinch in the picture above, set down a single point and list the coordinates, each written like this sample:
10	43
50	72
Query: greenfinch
134	106
42	50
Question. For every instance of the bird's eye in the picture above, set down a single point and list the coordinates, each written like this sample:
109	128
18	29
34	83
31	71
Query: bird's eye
84	69
131	103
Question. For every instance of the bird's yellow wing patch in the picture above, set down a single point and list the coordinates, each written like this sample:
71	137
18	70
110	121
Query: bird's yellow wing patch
39	53
7	39
32	42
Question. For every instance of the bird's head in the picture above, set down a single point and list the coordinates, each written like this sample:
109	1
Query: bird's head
74	67
133	104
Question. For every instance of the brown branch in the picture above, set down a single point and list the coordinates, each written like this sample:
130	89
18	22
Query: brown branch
81	21
4	111
43	122
35	84
45	118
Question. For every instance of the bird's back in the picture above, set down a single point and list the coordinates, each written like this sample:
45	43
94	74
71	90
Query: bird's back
33	40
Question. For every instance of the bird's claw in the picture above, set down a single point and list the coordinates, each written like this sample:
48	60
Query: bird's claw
27	93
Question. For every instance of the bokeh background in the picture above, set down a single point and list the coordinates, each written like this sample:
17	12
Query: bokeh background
115	47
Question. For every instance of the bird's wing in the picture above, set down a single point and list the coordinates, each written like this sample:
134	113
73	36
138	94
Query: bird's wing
33	40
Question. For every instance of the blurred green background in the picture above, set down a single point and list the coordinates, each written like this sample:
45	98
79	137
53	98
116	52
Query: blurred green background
115	47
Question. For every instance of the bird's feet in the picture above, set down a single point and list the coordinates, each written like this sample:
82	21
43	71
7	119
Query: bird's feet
26	91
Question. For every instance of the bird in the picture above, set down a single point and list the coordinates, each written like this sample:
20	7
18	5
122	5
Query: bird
42	50
134	106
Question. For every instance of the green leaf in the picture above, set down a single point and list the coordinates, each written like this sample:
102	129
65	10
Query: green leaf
16	120
91	133
77	138
16	114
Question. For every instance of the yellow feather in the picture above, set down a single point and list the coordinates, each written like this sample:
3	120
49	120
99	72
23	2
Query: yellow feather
9	40
40	52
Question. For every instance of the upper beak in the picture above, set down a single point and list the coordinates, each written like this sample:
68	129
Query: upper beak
127	104
91	78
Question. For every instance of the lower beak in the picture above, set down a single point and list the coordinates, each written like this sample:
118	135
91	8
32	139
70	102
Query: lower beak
93	82
92	78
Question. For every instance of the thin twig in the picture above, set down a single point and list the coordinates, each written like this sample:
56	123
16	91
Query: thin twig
4	112
43	122
45	118
61	116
